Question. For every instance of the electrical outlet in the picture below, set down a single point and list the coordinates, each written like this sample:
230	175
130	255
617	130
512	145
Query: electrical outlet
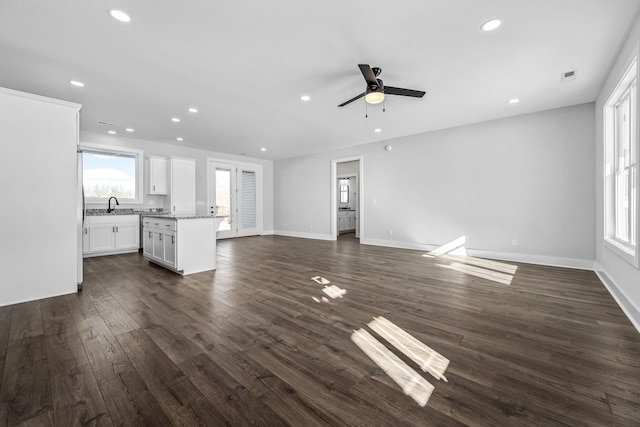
152	202
284	225
390	232
373	201
310	227
514	242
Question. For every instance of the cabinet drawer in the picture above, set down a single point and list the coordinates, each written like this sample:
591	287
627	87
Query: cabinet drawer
111	219
159	223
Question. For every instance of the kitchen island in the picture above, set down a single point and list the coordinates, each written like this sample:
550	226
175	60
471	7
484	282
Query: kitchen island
185	244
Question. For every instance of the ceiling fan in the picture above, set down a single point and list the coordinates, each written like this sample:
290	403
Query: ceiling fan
376	90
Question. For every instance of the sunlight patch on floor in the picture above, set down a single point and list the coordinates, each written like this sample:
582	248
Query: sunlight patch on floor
411	383
424	356
455	251
332	291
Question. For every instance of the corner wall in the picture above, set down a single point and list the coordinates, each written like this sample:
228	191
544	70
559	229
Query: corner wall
528	178
621	278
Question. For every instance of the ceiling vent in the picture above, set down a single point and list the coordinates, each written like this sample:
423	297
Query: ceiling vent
100	122
567	76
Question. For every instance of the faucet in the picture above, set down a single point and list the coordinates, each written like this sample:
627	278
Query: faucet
109	210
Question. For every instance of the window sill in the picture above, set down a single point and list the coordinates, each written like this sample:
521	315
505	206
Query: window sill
626	252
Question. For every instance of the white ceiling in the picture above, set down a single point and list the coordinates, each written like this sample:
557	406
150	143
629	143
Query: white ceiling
245	63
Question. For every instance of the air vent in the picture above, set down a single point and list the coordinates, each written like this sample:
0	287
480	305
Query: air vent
567	76
100	122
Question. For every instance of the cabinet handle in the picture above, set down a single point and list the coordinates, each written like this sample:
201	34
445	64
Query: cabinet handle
160	238
174	208
85	230
173	239
113	229
150	234
116	228
154	188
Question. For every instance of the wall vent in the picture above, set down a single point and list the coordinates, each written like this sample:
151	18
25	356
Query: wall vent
100	122
567	76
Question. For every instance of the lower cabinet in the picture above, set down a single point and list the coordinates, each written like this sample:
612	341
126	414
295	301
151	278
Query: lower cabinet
110	234
346	221
185	246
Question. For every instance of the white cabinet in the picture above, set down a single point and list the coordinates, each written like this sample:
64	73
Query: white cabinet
156	168
111	234
185	246
346	221
181	195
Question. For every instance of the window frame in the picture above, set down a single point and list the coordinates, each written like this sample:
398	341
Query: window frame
626	87
139	174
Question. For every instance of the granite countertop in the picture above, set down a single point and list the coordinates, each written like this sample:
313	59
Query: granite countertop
176	216
103	212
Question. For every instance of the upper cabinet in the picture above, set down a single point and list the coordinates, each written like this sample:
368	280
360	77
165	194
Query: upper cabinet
181	198
156	175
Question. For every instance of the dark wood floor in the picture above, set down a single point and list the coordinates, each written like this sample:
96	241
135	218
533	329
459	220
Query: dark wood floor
248	344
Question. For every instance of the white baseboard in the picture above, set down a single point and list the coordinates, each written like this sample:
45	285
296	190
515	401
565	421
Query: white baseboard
580	264
501	256
267	233
302	235
632	312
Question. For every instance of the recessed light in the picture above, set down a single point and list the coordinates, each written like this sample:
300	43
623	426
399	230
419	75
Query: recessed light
305	98
377	130
263	149
175	119
76	83
514	101
129	129
491	24
112	132
193	110
179	139
119	15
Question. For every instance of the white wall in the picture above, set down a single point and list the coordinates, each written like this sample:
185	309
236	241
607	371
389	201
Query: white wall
38	172
528	178
622	279
152	148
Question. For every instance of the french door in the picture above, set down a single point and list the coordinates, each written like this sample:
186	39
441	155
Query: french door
235	196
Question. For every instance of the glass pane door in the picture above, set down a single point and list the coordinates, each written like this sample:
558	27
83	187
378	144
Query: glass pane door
223	198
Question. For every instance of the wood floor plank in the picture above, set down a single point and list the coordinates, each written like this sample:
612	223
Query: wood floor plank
248	344
26	384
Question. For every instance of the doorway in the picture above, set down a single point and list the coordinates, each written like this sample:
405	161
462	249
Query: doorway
235	196
347	195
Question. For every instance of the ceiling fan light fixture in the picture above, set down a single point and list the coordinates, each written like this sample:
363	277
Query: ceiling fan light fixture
374	97
491	24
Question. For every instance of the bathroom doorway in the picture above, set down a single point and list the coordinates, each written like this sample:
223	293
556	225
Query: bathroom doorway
346	198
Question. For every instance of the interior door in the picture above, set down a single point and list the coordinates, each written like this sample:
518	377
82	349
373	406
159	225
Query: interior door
235	195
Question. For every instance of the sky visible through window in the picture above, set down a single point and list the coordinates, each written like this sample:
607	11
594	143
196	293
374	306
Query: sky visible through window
109	174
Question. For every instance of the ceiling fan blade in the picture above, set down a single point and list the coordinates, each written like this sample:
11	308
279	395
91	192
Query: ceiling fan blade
369	75
389	90
351	100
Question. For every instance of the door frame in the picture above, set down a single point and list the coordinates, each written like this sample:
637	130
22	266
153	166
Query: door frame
334	195
258	169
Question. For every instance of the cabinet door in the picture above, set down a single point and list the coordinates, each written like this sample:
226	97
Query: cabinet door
127	236
157	176
147	242
183	186
101	237
158	246
169	249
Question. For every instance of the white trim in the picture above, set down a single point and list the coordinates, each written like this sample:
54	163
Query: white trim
333	213
139	154
581	264
32	96
268	233
630	310
303	235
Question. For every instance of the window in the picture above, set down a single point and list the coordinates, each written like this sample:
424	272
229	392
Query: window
110	172
621	167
